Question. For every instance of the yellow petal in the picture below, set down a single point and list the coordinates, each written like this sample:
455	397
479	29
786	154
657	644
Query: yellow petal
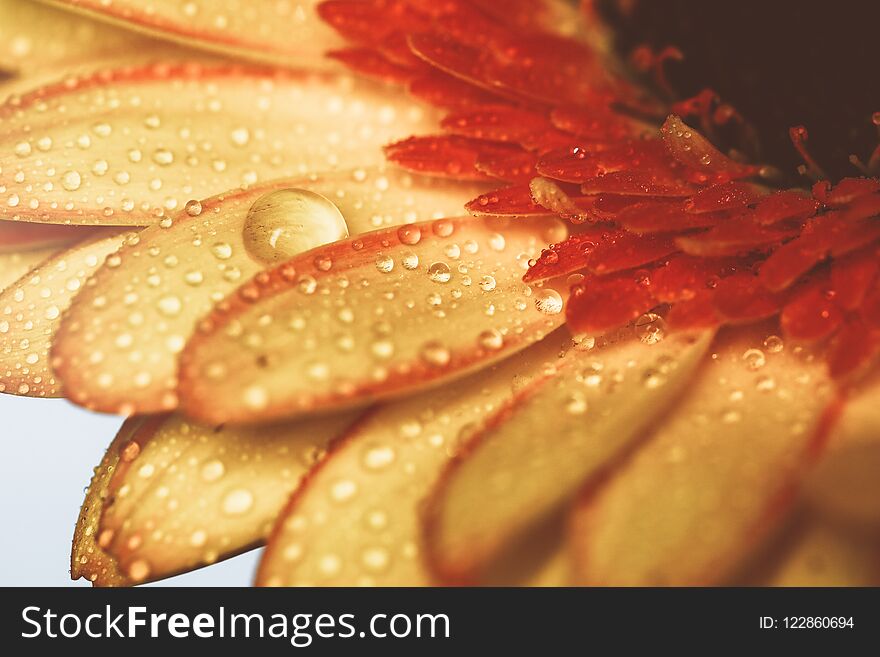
691	504
185	495
379	315
555	435
30	313
845	484
132	146
356	521
88	559
16	264
814	553
118	345
289	33
35	38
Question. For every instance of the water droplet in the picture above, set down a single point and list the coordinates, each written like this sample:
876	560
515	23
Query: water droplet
193	208
256	398
384	263
491	339
378	457
439	272
287	222
222	250
435	353
238	502
650	328
343	490
139	570
71	181
773	344
213	470
375	559
754	359
410	235
548	302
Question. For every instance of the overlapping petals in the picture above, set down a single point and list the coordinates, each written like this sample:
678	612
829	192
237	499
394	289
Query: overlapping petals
317	350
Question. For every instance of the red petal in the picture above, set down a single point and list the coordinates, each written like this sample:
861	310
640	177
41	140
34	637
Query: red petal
854	345
566	257
742	298
638	183
496	123
515	201
734	237
512	166
370	22
853	275
442	90
862	207
599	304
663	217
784	206
726	196
447	156
845	191
695	313
451	56
685	277
619	250
693	150
371	63
870	310
583	162
599	123
812	314
800	255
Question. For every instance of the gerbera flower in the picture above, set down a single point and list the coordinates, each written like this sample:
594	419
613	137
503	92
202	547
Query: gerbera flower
644	358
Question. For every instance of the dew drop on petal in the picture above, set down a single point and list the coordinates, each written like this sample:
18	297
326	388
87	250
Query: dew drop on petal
548	302
238	502
439	272
284	223
435	353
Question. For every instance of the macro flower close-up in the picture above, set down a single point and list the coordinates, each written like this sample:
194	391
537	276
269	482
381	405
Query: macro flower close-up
451	292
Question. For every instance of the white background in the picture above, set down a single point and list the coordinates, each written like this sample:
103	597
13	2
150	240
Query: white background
49	449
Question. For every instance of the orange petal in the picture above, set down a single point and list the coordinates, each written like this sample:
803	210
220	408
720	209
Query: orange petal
274	32
538	449
689	506
844	485
183	495
30	313
118	344
379	315
131	146
88	559
356	521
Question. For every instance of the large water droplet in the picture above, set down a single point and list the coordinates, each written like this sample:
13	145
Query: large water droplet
548	302
287	222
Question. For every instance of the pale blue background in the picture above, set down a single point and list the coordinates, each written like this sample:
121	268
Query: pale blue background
49	448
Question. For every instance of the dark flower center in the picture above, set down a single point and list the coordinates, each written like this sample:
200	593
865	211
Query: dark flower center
780	64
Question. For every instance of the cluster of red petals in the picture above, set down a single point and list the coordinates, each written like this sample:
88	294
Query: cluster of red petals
663	217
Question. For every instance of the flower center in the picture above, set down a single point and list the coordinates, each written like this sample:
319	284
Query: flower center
780	64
